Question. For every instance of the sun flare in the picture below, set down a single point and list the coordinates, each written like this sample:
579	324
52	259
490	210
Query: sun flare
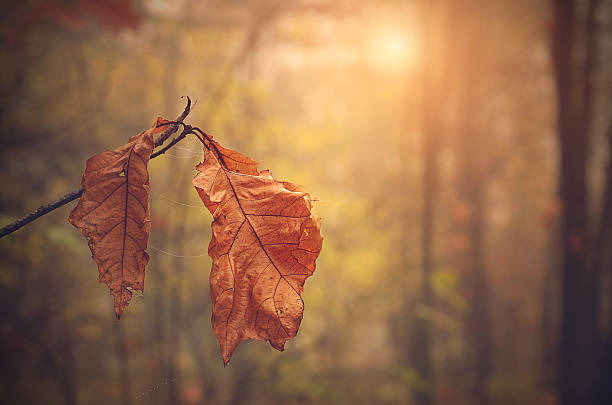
391	49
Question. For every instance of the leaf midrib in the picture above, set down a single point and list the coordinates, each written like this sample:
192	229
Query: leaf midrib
281	276
125	216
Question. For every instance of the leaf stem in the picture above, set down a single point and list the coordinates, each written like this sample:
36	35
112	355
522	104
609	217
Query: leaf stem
185	132
212	144
174	125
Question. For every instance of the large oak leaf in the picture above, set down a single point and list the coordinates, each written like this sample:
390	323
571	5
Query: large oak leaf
113	214
264	245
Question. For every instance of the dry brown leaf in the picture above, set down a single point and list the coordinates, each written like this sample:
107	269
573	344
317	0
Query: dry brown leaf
113	214
264	245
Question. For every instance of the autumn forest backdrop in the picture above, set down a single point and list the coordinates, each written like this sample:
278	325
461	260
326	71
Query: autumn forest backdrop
460	151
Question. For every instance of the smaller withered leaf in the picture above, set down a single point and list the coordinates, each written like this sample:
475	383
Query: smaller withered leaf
113	214
264	245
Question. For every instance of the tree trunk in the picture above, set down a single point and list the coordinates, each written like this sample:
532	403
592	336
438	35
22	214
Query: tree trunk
479	317
175	325
421	325
472	178
172	288
125	382
602	262
580	291
549	320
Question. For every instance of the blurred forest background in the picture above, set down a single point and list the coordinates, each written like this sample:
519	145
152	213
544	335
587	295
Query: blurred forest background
460	150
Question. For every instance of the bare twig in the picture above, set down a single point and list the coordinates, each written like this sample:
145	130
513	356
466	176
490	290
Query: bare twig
40	211
173	128
186	131
73	195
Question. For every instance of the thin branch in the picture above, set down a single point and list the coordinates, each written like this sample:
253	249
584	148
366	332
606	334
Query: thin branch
73	195
186	130
42	210
174	127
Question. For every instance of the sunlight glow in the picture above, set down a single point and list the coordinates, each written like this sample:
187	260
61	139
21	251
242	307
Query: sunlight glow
391	49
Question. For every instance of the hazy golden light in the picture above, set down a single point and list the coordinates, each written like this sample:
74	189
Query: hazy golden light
391	49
